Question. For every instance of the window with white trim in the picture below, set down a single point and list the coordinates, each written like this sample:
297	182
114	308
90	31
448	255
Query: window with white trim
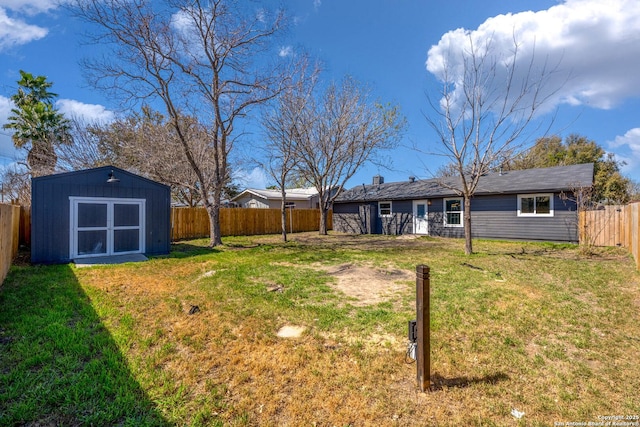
453	209
384	208
535	204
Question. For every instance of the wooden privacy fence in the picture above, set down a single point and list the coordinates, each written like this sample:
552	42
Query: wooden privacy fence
613	226
190	223
25	226
9	237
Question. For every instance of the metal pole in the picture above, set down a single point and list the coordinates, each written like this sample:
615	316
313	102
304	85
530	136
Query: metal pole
423	325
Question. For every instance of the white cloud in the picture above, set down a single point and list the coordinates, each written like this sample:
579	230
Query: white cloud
7	150
631	138
629	143
14	32
285	51
6	104
181	22
30	7
597	43
69	107
88	112
256	178
317	4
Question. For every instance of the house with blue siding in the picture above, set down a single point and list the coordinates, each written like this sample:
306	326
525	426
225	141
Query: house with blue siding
532	204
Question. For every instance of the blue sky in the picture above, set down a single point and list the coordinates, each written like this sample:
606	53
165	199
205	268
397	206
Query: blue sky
386	44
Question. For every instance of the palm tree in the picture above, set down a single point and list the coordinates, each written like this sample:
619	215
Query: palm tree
37	124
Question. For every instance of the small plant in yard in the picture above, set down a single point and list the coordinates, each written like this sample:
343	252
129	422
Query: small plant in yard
535	328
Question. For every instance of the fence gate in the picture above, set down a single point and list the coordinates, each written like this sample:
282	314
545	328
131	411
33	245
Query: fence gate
613	226
604	227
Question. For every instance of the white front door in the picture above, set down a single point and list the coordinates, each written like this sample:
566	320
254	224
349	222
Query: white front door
102	226
420	217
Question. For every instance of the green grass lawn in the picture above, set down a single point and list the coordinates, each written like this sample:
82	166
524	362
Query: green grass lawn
535	327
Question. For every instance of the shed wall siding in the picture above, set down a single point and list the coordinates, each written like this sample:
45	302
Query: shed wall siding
50	210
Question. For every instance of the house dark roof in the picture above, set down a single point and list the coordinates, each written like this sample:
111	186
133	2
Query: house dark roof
559	178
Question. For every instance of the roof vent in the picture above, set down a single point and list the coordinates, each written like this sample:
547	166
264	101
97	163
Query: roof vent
377	180
412	179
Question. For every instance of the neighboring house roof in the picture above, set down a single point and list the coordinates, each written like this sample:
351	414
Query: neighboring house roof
559	178
291	194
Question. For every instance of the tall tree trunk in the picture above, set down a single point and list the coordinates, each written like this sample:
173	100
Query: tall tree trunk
213	209
323	221
42	158
283	209
468	244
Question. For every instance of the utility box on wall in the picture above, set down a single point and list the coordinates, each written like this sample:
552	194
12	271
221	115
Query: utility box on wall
98	212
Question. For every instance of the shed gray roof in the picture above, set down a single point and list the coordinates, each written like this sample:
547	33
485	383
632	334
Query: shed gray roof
80	175
559	178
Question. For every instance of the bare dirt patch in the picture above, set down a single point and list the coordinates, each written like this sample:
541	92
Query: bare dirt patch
368	285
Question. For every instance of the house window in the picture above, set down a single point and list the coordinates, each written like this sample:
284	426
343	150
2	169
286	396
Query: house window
453	212
535	205
384	208
289	205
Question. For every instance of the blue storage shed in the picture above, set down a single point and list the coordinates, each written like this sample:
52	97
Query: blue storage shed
105	211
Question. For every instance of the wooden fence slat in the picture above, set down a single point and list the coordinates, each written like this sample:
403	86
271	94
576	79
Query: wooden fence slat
9	237
635	239
25	226
190	223
612	226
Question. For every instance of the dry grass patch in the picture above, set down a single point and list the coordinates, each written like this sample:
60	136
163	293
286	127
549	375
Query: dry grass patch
531	327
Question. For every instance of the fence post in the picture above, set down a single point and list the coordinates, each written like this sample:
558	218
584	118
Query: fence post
423	326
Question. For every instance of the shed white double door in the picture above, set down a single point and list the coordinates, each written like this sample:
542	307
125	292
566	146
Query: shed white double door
104	226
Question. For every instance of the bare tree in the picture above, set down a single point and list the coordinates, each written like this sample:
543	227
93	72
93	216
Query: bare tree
334	133
487	107
15	185
85	149
633	188
197	58
281	124
148	144
584	199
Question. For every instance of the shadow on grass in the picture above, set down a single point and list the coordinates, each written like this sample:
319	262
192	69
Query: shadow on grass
439	382
59	365
186	250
